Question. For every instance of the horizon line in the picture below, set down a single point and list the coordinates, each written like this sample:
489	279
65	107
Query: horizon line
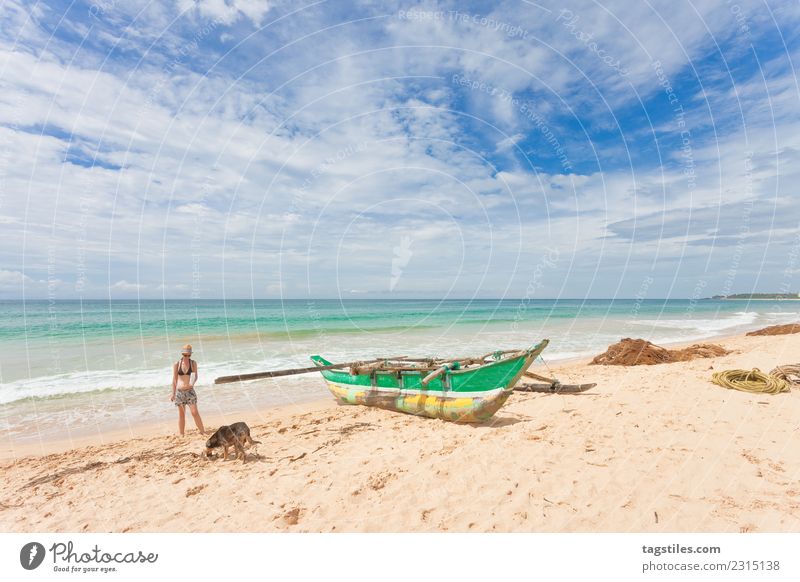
45	300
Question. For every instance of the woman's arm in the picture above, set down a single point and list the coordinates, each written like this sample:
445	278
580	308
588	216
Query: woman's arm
194	367
174	381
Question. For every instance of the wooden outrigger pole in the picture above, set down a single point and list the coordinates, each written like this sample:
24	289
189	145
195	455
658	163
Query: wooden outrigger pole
292	372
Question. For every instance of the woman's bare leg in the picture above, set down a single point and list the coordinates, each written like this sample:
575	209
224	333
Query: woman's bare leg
181	418
197	420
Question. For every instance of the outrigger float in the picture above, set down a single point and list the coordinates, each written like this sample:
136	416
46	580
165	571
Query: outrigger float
468	389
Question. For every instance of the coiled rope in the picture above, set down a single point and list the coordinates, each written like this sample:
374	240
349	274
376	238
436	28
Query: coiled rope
788	372
750	381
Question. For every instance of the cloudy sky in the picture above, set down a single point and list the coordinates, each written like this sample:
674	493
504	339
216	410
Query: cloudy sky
244	148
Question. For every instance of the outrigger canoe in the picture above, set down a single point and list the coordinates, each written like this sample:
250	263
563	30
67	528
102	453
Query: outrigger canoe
461	390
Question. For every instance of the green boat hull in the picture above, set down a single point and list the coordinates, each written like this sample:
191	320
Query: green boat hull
459	395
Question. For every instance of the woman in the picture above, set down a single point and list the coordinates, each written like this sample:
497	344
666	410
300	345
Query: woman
184	376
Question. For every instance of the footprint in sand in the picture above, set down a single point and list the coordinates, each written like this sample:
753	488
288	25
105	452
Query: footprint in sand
292	517
777	467
750	457
194	490
379	480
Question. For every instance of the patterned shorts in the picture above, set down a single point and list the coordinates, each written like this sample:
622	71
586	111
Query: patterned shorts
183	397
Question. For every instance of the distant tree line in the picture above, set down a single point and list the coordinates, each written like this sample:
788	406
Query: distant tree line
759	296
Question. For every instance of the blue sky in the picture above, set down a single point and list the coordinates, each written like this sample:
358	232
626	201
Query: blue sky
244	149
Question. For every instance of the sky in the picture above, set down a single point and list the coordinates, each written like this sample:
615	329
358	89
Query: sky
249	149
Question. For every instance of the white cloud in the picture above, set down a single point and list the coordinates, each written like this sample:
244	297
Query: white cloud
509	142
13	279
126	287
229	11
338	144
15	284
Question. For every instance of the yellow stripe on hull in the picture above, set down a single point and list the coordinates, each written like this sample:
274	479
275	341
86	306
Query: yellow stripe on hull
455	408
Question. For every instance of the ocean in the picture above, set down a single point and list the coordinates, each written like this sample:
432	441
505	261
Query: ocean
79	367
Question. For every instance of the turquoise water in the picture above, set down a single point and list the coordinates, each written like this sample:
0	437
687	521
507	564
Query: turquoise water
83	361
37	322
40	321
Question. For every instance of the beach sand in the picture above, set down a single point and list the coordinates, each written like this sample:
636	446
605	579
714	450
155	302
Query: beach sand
650	449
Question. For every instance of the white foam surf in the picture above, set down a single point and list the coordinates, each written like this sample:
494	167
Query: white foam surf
707	326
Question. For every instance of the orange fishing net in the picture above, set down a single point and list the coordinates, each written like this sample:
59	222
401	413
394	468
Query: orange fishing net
777	329
639	352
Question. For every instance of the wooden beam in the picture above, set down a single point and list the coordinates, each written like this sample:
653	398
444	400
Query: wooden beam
277	373
433	375
538	377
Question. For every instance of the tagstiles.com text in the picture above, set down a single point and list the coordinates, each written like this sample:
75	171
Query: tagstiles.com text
679	549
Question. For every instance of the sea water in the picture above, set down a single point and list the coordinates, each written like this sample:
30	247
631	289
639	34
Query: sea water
71	367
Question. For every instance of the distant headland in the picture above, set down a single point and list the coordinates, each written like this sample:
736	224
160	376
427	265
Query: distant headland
759	296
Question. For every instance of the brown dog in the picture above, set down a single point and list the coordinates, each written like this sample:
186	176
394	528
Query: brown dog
236	435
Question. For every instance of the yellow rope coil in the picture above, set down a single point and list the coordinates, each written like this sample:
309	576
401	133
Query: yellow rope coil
750	381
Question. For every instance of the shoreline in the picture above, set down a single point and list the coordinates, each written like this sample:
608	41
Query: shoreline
52	444
159	428
647	440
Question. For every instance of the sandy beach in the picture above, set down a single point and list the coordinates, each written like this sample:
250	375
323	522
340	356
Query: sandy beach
650	449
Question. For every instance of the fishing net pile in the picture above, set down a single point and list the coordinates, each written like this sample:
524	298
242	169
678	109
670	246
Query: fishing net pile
640	352
777	329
